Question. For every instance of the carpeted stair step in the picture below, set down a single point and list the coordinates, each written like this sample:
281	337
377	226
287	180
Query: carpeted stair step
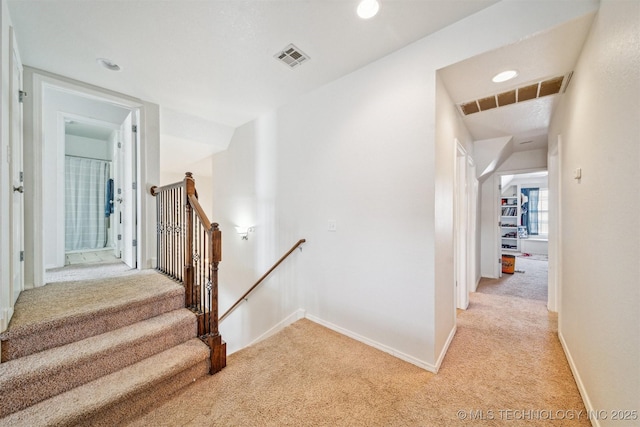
61	313
122	395
34	378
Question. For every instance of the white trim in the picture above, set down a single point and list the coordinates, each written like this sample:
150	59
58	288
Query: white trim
292	318
475	289
7	312
581	388
414	361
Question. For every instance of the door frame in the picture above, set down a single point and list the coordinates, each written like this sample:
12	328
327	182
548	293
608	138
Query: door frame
554	165
34	227
465	225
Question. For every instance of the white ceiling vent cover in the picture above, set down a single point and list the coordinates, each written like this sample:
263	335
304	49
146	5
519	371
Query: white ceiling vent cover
292	56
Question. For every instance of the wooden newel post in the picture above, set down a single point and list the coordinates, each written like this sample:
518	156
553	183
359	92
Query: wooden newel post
216	257
189	188
217	346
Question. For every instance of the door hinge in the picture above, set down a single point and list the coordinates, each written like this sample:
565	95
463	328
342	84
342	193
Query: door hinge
21	95
21	255
134	128
134	186
21	176
119	236
135	242
119	144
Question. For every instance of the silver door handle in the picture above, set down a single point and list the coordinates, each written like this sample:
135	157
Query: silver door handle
18	189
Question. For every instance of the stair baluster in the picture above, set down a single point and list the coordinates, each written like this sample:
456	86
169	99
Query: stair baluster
189	250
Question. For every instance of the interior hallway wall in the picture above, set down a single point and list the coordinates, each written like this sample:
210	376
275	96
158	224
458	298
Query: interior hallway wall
449	129
599	321
361	151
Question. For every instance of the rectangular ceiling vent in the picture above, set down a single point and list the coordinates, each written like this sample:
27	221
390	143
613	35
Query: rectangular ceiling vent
521	94
292	56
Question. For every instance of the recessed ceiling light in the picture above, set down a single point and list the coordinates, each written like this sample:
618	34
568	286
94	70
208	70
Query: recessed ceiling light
368	8
108	64
504	76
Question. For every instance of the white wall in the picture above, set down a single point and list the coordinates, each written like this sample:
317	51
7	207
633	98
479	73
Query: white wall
489	218
449	128
599	321
525	160
81	146
525	181
361	151
490	154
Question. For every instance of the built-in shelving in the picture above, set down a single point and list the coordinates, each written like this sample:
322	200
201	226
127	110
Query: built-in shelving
510	219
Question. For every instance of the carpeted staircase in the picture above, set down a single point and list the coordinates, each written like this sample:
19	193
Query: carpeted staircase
97	352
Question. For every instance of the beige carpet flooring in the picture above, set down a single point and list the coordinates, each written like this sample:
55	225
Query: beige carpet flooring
505	366
529	281
89	271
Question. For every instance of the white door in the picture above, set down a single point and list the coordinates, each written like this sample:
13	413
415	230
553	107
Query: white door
125	193
16	243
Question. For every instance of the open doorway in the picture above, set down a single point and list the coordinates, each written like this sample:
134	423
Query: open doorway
523	234
79	129
95	211
524	214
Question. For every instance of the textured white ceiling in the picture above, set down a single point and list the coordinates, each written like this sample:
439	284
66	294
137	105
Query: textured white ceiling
548	54
211	67
214	59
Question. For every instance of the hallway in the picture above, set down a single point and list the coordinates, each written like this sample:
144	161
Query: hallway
505	366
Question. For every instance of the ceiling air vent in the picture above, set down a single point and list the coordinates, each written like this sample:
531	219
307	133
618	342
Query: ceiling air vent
292	56
524	93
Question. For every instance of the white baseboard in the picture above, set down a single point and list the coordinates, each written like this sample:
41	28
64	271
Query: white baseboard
5	317
595	422
410	359
293	317
475	288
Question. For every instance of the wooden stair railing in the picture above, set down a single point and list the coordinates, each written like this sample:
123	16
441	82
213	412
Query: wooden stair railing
264	276
189	249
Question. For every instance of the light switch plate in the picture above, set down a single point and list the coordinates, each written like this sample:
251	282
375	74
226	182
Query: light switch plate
332	226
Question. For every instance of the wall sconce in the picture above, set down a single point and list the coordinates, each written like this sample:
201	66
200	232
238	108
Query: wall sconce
243	231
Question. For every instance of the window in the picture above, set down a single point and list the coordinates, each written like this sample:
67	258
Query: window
535	211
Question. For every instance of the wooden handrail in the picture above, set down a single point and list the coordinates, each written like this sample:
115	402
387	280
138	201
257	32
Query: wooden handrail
155	190
264	276
193	200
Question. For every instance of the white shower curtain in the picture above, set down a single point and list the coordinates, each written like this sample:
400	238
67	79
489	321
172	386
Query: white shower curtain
85	185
